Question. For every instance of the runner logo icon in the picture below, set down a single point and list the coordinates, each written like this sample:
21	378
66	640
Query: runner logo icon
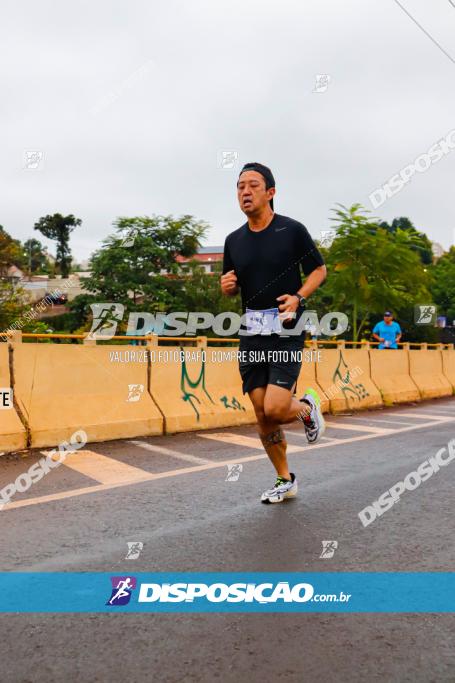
424	315
122	587
328	549
105	320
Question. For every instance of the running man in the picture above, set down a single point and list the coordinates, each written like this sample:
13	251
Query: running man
262	259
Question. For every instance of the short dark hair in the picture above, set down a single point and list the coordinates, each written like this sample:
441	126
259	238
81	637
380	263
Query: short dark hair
265	172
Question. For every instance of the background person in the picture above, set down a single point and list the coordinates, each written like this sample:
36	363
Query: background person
387	332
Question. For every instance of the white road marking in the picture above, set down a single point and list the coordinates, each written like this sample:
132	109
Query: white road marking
327	438
240	440
167	451
200	468
444	411
423	417
391	422
99	467
299	435
358	428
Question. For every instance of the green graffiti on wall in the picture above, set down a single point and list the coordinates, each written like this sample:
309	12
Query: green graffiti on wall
234	404
342	379
189	388
199	383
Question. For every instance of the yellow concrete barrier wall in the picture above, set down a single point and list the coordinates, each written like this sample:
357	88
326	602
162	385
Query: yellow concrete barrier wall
307	376
390	373
198	391
12	431
426	372
344	375
63	388
448	366
109	393
225	384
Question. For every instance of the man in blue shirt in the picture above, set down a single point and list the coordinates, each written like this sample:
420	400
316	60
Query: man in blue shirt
387	332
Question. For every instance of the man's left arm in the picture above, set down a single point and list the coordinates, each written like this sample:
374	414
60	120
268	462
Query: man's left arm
399	334
314	268
313	281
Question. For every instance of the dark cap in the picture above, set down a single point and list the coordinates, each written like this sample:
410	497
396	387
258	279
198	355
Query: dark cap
264	171
388	313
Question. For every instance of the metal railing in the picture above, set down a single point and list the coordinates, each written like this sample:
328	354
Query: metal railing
202	341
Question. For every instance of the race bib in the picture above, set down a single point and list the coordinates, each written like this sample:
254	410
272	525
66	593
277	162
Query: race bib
265	321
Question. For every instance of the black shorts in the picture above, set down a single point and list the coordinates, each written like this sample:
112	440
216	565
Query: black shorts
270	359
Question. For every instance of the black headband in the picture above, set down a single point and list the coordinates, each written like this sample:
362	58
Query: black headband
265	172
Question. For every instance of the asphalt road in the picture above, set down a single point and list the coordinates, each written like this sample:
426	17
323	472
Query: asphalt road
173	494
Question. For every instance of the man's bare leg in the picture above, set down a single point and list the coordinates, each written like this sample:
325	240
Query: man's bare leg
271	434
280	406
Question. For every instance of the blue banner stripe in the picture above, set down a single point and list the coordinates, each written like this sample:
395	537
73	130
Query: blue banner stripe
264	592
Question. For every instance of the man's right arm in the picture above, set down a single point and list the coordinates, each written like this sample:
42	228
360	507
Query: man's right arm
228	280
375	333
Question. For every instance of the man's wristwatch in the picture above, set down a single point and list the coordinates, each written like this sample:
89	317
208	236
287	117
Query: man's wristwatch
302	300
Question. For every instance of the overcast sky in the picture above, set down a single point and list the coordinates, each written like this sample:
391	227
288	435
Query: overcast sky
132	103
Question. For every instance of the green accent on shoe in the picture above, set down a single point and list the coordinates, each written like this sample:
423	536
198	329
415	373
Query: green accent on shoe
314	394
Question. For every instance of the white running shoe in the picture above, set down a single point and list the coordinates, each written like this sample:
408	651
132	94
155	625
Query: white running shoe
283	489
314	423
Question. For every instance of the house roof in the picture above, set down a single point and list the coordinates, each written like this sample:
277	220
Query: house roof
14	271
210	250
204	255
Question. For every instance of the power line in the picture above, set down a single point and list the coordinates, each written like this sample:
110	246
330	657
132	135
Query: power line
425	31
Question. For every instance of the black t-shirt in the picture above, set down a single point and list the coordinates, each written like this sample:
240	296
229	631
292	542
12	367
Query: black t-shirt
267	263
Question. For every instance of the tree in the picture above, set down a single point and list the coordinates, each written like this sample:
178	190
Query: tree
443	285
421	242
13	305
35	255
197	290
78	315
59	228
133	266
11	252
371	268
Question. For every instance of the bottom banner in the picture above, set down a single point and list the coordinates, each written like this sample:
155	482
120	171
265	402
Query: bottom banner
227	592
